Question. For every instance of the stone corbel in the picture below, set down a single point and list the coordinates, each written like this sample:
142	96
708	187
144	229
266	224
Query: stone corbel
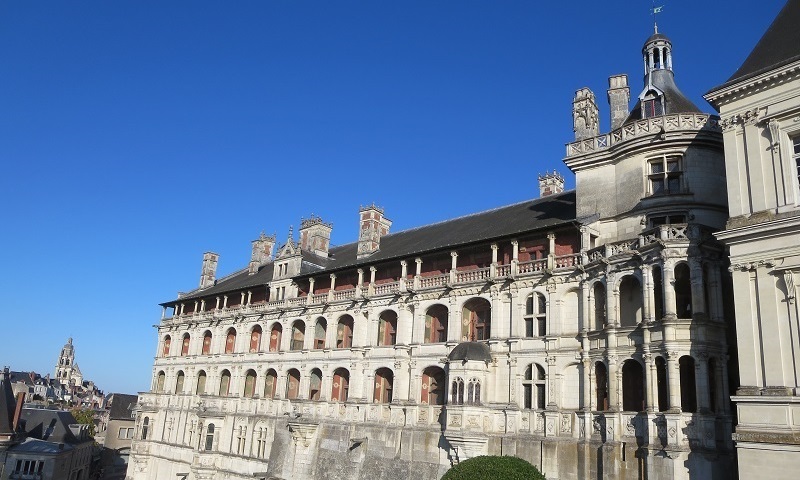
788	277
302	432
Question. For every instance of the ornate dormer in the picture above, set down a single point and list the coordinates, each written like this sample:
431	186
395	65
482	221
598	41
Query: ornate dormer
288	260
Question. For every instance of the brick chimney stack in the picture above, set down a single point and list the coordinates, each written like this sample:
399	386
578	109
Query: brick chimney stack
372	226
619	97
315	235
550	184
209	271
262	252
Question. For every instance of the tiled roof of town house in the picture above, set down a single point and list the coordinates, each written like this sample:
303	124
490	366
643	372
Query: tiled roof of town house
779	46
506	221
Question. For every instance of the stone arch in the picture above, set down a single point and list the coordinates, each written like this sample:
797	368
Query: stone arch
432	391
571	388
270	383
630	301
230	340
207	337
436	322
224	383
341	385
683	290
571	312
320	332
185	344
298	335
632	386
476	319
275	334
686	365
387	328
166	346
384	385
344	331
255	338
180	379
292	384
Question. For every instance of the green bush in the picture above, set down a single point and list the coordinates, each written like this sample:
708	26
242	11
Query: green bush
493	468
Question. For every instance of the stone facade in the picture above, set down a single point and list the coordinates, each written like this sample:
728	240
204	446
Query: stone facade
760	110
592	342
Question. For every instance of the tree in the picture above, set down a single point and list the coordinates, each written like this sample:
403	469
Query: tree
493	468
84	416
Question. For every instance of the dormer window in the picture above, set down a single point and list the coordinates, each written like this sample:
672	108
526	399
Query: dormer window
665	175
652	105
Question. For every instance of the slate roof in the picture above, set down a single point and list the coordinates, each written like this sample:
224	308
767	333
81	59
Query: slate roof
506	221
49	425
36	446
674	100
779	46
122	406
471	351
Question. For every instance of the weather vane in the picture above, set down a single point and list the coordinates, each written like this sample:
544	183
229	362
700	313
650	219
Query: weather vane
655	11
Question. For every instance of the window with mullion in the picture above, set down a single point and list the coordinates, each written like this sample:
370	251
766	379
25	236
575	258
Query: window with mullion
796	155
665	175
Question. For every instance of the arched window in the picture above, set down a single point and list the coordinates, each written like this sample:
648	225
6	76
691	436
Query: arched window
185	344
255	339
179	382
209	437
292	384
160	382
315	384
433	382
341	385
476	320
384	380
225	383
601	386
661	380
250	384
473	392
536	316
145	427
599	294
201	383
230	341
457	391
298	335
632	386
683	291
344	332
270	383
436	324
206	343
534	387
320	330
275	337
688	385
630	302
387	328
167	344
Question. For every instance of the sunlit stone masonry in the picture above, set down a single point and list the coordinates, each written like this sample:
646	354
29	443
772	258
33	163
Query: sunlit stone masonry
586	331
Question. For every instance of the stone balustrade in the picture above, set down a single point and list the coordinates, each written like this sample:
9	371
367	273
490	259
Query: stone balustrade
641	128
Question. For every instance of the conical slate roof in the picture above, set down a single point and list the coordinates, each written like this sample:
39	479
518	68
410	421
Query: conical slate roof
7	406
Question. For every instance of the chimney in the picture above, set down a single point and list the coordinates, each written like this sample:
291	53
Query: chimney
372	226
18	410
315	235
584	114
550	184
619	97
262	252
209	271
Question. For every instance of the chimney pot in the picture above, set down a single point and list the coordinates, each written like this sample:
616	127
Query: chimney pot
209	270
619	97
550	184
315	235
372	226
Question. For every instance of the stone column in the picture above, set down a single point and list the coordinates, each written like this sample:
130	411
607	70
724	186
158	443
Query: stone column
553	311
360	284
673	380
588	314
612	301
553	385
217	306
418	261
586	378
648	302
453	321
651	381
670	311
403	275
613	384
333	287
400	384
721	379
453	266
372	272
551	251
493	268
698	291
701	382
405	325
514	258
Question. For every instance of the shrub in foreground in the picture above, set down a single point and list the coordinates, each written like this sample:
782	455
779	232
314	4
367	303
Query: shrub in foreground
493	468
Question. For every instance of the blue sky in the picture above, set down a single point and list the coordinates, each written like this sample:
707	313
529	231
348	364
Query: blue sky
135	135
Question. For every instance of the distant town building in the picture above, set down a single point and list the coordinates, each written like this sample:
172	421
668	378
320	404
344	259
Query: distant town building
38	443
117	427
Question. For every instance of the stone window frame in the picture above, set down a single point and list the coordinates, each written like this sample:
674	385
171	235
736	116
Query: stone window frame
536	315
664	174
795	152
